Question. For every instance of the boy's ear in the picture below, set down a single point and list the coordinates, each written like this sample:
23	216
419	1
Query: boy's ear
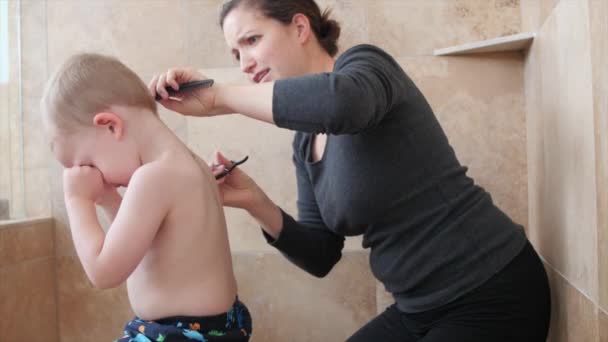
302	24
110	121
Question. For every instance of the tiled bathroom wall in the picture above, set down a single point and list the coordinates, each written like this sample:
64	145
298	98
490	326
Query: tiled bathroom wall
27	281
566	100
479	100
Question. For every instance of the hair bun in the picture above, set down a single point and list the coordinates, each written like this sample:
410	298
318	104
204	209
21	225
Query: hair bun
329	32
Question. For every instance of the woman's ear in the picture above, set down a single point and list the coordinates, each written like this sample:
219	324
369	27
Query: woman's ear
110	121
302	25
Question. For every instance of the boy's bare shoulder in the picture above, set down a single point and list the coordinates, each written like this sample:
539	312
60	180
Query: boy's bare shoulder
151	174
176	170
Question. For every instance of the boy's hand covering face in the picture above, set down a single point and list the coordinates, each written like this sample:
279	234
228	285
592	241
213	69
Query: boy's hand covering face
83	182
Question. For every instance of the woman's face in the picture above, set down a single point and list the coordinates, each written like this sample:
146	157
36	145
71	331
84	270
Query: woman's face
267	49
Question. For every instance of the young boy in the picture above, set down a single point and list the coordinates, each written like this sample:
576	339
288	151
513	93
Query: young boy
168	235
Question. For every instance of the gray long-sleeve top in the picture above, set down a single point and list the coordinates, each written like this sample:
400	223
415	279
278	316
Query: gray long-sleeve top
388	172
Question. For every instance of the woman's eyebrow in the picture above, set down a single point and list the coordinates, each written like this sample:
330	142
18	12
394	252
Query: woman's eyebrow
244	36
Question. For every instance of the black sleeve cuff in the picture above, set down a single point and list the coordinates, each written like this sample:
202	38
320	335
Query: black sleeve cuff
288	223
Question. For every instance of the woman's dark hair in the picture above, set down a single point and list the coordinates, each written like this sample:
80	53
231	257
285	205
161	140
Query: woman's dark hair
326	30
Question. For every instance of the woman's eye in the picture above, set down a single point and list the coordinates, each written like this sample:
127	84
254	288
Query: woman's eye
252	39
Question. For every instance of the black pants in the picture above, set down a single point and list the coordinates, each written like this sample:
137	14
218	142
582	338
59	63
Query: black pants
513	306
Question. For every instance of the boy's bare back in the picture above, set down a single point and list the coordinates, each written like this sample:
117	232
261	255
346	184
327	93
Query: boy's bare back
187	270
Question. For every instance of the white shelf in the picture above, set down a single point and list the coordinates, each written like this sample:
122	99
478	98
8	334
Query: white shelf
516	42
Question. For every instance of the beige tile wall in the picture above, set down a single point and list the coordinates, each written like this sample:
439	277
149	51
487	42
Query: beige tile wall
566	105
483	117
406	28
86	313
535	12
308	309
573	315
598	11
566	83
27	281
603	326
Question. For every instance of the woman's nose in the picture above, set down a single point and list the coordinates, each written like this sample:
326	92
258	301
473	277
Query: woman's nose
247	64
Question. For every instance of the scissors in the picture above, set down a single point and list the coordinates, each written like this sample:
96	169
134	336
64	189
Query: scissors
228	170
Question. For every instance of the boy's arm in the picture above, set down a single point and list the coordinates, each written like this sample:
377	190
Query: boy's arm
108	260
110	202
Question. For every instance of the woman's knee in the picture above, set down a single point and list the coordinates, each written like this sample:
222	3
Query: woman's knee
387	327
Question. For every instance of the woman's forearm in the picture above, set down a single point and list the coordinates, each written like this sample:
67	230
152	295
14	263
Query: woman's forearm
254	101
268	215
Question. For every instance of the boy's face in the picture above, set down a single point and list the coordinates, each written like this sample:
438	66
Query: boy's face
116	159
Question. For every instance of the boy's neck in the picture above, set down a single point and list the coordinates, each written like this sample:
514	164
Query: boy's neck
153	138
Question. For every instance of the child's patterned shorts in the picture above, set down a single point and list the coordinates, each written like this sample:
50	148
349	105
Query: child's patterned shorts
234	325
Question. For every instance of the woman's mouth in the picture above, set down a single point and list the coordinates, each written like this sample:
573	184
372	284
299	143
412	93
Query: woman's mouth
259	77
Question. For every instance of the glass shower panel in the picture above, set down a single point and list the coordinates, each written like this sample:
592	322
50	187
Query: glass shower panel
12	197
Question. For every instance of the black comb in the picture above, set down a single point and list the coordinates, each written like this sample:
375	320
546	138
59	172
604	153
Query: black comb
184	87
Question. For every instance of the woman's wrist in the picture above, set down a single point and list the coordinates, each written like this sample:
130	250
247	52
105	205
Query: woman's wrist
267	213
221	102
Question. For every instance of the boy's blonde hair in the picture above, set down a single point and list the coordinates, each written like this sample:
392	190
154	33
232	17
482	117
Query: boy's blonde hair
87	84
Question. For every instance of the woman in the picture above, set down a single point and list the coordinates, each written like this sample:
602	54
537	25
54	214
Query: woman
371	159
